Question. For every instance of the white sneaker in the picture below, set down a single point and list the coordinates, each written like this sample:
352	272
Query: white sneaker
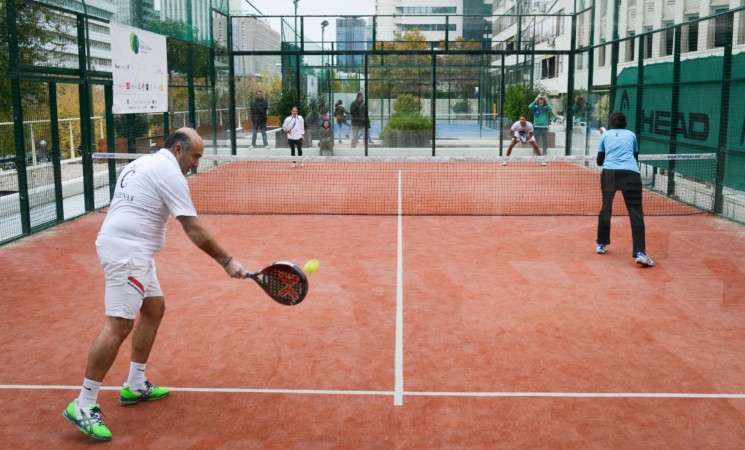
302	163
293	164
644	260
250	147
600	250
266	146
504	163
543	163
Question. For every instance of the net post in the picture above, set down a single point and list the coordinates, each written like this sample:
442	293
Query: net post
433	101
724	117
674	109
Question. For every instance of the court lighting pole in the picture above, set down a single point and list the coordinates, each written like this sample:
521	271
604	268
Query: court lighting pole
324	24
295	2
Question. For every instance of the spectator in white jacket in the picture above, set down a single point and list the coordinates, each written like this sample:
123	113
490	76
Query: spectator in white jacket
294	126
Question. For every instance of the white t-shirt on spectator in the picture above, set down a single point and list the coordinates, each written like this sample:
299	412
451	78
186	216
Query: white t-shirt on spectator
520	129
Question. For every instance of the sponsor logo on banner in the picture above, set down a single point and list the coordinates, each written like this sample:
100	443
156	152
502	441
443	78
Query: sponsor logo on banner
134	43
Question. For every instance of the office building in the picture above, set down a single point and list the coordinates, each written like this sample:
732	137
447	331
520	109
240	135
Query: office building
435	20
351	34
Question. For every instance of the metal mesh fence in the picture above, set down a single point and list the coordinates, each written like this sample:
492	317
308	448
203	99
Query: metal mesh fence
434	83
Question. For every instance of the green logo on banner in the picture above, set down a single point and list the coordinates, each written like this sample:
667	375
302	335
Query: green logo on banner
134	43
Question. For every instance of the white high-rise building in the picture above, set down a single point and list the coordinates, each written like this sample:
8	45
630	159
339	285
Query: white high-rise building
249	34
199	15
407	15
99	37
436	20
254	34
635	17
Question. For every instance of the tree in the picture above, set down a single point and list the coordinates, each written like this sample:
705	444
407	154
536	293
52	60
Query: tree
68	107
602	106
403	73
408	104
281	103
247	86
518	97
407	127
462	107
317	105
41	33
458	74
177	50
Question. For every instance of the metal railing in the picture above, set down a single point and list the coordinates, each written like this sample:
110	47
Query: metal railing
71	127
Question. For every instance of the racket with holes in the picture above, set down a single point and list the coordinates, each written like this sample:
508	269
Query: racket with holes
283	281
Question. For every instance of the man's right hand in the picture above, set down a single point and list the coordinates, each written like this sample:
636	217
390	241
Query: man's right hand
234	269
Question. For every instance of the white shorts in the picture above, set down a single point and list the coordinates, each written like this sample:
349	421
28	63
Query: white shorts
127	285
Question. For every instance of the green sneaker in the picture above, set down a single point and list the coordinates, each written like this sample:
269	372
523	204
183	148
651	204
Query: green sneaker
88	420
129	396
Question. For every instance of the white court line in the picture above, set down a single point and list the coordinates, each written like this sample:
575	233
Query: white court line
209	390
576	394
662	395
398	396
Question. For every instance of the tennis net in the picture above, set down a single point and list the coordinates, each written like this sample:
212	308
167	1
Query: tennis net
678	184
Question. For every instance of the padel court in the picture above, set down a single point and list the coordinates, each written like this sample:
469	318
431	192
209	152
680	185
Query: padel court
419	331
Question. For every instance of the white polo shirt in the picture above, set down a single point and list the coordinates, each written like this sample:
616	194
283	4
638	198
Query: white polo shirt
148	191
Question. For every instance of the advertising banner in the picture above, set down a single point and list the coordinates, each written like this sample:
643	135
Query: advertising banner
139	70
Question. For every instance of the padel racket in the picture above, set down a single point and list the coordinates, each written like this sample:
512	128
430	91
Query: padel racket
283	281
523	138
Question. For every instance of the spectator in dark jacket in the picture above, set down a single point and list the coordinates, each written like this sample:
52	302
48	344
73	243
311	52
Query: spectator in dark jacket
326	142
358	110
340	113
259	107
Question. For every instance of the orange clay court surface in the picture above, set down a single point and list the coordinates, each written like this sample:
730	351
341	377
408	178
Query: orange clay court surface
513	334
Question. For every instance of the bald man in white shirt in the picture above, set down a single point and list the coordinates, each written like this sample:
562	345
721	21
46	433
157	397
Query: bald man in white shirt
148	192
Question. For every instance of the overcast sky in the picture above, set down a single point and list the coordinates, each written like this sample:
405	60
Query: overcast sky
312	7
330	9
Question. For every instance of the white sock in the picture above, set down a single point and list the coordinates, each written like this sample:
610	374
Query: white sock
136	378
88	393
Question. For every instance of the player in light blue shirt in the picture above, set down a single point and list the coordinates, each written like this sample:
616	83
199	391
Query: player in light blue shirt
618	153
621	150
